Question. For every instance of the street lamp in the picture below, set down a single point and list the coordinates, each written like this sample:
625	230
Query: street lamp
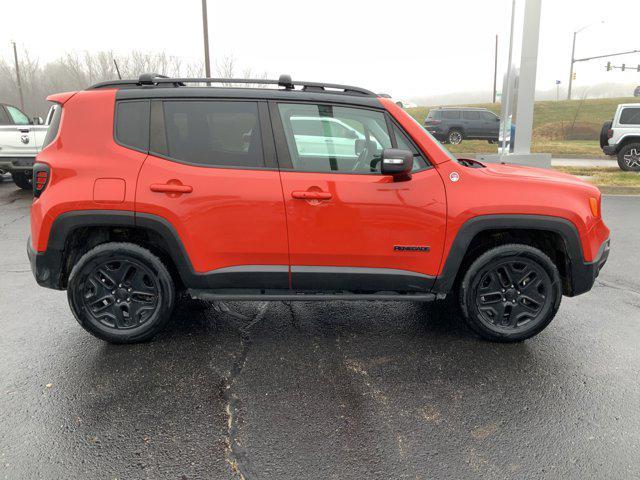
573	51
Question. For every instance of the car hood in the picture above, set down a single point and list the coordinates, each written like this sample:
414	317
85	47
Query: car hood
532	173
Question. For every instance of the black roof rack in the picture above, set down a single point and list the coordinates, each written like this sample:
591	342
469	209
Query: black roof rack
156	80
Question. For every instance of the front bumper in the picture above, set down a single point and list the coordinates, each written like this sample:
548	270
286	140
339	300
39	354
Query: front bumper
46	266
11	164
584	275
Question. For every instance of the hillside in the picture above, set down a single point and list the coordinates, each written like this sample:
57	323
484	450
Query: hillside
567	127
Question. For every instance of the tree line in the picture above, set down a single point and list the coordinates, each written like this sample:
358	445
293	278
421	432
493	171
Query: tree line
75	71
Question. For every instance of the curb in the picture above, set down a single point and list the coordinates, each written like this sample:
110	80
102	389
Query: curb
617	190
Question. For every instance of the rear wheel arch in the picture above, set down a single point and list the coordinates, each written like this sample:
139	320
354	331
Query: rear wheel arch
558	238
627	140
75	233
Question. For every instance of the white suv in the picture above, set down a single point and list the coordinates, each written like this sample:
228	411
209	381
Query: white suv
20	141
621	136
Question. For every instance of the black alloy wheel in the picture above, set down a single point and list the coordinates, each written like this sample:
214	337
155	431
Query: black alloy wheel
121	293
511	293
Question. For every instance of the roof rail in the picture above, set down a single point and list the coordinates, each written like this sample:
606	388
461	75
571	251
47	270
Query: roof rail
155	80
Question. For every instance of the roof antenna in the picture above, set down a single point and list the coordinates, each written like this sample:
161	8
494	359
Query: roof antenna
117	69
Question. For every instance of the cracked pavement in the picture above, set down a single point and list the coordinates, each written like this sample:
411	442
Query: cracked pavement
279	390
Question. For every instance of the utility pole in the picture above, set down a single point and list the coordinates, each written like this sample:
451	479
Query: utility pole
205	28
495	70
573	56
573	60
15	56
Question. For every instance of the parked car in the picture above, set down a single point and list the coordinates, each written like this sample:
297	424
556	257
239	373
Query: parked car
322	137
636	92
20	141
453	124
621	136
210	191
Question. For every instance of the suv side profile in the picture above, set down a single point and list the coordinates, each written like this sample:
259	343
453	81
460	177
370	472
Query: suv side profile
621	136
453	124
219	193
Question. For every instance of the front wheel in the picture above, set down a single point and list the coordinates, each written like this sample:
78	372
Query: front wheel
22	180
629	157
454	137
510	293
121	293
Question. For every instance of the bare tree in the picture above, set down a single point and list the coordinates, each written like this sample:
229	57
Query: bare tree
76	71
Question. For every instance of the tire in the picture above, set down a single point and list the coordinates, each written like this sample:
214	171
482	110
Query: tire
454	137
604	134
487	300
22	180
629	157
121	293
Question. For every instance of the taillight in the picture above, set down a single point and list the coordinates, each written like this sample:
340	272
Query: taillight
432	122
41	176
610	133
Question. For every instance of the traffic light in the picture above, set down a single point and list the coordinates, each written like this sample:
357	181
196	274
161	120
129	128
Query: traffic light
608	66
623	67
573	76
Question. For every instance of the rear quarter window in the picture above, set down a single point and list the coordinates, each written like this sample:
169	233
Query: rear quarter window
54	124
132	124
630	116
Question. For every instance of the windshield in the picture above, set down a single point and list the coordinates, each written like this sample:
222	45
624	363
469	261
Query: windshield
447	152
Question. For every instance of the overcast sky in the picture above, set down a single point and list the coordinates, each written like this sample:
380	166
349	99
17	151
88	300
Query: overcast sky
407	48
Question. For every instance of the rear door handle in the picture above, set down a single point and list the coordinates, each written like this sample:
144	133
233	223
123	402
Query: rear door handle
310	195
171	188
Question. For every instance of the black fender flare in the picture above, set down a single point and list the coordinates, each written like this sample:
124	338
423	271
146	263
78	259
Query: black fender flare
472	227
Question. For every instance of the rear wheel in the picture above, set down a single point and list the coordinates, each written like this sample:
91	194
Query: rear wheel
510	293
454	137
22	180
121	293
629	157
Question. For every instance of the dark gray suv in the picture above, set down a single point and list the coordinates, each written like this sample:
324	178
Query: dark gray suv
452	124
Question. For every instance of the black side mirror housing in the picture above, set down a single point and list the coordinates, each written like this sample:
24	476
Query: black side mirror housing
397	163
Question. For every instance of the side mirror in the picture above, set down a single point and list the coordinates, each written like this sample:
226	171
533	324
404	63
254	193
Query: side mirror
396	162
38	121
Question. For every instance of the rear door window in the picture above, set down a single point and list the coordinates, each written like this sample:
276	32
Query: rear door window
211	133
630	116
451	114
132	124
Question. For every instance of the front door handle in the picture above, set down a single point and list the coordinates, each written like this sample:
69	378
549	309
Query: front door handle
171	188
311	195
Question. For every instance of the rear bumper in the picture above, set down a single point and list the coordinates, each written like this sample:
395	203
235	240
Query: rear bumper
584	275
46	266
609	149
10	164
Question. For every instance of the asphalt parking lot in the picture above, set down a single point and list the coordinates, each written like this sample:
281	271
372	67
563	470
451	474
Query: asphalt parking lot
273	390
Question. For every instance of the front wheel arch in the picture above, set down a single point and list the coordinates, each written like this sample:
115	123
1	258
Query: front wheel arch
555	236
